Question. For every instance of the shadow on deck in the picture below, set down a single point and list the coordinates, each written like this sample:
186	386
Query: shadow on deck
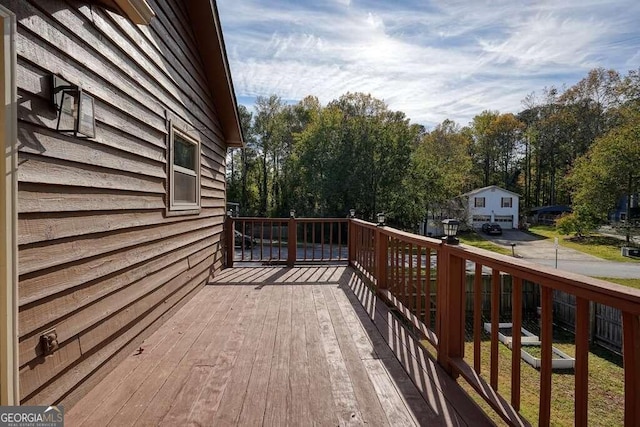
279	346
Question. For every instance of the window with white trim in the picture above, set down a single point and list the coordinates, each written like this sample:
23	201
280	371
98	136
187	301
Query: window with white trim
479	202
506	202
184	172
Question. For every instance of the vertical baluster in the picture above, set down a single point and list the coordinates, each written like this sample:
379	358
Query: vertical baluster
546	336
403	272
582	362
477	318
313	241
331	241
230	242
322	227
427	291
412	285
359	245
280	241
271	241
304	238
340	241
495	320
631	354
391	284
261	240
371	253
516	340
419	283
252	236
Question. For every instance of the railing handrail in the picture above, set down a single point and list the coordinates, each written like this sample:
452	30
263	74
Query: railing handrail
299	219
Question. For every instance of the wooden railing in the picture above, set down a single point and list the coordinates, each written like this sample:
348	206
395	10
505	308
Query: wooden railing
425	280
287	240
405	268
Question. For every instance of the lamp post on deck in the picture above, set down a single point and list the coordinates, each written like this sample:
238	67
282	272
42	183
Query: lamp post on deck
380	217
450	226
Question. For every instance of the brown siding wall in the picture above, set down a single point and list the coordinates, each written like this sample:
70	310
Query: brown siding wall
99	260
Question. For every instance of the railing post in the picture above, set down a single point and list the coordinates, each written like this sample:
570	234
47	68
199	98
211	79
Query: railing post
292	243
381	253
229	228
351	242
451	307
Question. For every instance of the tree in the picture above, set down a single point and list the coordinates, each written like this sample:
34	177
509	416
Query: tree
269	132
242	169
483	149
442	165
609	170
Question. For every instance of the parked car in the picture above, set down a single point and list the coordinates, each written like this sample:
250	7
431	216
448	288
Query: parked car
242	239
491	228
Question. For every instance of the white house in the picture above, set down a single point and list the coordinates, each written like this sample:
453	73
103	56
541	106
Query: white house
492	204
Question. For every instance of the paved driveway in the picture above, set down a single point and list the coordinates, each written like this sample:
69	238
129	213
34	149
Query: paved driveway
543	251
532	247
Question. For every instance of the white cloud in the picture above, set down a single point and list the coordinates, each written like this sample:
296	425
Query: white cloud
433	61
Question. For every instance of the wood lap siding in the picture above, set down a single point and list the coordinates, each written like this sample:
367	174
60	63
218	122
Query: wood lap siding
99	260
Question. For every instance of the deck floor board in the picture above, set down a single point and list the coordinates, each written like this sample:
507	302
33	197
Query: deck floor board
274	347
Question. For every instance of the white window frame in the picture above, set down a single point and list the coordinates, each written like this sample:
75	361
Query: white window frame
503	199
477	199
174	207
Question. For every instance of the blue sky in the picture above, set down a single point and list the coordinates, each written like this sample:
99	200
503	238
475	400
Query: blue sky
431	59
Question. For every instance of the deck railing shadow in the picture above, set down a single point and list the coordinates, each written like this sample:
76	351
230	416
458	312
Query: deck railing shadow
400	349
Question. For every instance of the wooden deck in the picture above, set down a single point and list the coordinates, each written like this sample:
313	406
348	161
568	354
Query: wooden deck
278	346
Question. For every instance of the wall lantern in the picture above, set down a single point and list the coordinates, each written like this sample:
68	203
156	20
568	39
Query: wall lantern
450	230
380	219
76	112
292	213
352	213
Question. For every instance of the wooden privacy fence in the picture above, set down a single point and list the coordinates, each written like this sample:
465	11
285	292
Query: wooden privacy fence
605	323
398	263
428	283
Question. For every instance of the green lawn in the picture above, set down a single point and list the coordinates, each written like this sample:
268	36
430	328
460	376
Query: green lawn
606	386
594	244
472	238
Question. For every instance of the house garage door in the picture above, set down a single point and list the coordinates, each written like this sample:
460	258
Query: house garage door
505	221
478	220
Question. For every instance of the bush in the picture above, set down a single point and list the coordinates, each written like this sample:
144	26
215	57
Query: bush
575	223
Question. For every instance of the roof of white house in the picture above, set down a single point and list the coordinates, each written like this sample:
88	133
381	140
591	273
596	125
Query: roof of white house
495	187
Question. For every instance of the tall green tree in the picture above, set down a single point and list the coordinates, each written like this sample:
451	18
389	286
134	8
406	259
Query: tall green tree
269	132
442	165
608	171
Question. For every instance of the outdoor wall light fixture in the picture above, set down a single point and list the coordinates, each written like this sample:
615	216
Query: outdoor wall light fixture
352	213
450	230
381	219
292	213
230	213
76	112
